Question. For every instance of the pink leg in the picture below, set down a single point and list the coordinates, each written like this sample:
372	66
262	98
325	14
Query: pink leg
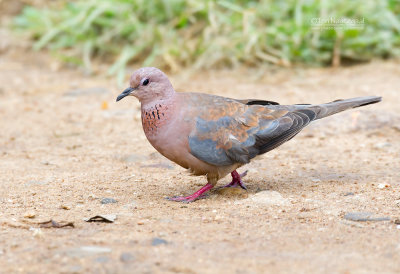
191	198
236	180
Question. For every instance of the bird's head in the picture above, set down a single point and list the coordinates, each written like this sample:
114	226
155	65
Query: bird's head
148	84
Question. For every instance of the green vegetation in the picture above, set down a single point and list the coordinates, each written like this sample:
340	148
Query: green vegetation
202	34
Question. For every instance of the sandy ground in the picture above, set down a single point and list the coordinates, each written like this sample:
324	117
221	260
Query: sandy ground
65	145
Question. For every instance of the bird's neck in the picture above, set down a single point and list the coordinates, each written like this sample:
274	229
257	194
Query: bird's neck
155	116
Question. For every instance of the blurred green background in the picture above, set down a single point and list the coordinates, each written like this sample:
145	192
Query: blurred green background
177	34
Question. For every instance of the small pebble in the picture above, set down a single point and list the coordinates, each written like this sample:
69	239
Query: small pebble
364	217
37	232
108	201
83	251
382	186
126	257
102	259
30	214
95	249
65	207
382	145
158	241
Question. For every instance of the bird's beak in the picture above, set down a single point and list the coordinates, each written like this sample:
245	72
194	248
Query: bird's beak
125	93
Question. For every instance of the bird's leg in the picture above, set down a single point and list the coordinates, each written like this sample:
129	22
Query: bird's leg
191	198
199	194
237	180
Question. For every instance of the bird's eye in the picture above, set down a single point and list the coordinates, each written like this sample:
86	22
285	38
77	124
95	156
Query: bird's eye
145	82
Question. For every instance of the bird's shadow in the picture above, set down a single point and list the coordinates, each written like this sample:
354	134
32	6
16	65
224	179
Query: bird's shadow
305	180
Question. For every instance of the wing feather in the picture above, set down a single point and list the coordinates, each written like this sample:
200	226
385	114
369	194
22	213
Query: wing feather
246	132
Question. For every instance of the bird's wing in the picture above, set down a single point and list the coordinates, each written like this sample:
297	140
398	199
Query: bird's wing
235	131
236	134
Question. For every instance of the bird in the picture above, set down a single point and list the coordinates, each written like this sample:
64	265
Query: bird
213	135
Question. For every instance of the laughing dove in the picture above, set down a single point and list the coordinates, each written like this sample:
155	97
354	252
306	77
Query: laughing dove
213	135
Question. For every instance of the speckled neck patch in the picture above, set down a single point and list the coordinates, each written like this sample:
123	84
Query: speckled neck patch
154	117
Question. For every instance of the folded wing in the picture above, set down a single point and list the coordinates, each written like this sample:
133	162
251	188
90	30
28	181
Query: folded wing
240	137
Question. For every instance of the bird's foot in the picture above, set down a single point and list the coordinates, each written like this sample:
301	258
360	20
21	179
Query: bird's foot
199	194
236	180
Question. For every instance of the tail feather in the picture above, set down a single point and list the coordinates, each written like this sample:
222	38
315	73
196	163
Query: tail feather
336	106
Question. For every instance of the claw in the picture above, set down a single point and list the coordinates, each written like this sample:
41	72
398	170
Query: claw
243	174
236	180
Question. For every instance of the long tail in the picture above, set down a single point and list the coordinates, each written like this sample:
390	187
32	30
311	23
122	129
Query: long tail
331	108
